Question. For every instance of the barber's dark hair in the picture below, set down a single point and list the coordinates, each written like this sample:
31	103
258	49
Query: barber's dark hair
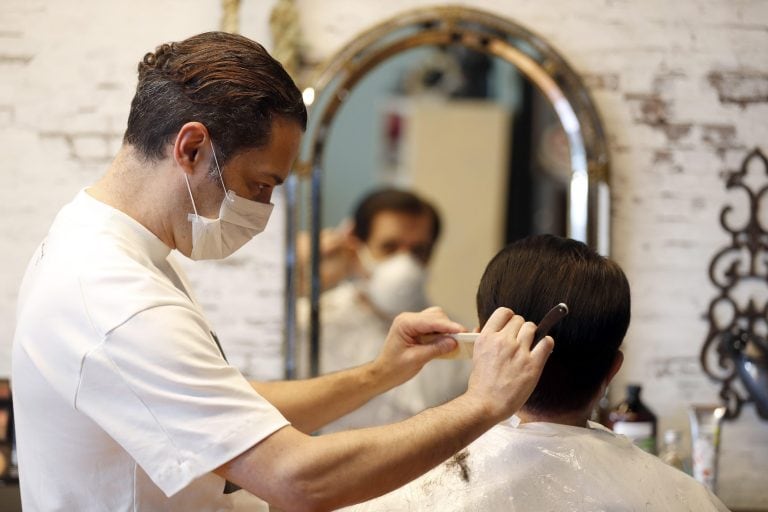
532	275
225	81
392	200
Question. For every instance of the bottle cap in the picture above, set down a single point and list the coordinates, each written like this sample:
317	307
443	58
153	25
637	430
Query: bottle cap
671	436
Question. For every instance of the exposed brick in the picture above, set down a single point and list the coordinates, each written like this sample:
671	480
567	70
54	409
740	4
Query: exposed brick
675	131
648	108
664	79
652	110
109	86
740	87
6	114
663	156
14	60
608	81
671	367
721	137
86	146
92	147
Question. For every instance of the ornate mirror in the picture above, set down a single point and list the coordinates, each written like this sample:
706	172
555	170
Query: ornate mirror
475	113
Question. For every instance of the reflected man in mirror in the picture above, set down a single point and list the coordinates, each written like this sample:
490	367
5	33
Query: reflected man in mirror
373	268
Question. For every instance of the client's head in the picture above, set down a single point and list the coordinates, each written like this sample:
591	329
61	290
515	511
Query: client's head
532	275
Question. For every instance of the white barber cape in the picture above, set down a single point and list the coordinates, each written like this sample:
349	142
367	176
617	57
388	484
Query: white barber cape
537	467
351	334
122	398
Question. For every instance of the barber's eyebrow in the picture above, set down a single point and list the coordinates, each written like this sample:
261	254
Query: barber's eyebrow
278	179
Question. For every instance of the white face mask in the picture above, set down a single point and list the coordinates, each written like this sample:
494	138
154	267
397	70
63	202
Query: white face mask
396	284
239	221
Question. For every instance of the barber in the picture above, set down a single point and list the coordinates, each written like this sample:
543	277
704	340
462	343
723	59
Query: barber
124	400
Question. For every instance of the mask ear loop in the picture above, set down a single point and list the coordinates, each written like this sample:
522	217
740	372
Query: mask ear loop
216	161
221	179
189	189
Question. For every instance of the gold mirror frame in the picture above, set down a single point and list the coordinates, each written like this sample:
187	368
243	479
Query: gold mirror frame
588	198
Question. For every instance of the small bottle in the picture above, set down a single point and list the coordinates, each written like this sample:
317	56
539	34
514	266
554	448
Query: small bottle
632	418
13	468
12	471
672	452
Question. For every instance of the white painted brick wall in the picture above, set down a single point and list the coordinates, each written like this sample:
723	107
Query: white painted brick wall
67	74
656	70
649	65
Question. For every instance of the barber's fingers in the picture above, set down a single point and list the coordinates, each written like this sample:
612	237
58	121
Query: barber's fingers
498	320
429	321
527	339
542	350
434	319
331	242
525	333
437	345
517	329
514	326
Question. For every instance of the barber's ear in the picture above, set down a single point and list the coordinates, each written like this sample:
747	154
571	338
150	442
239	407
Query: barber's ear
191	147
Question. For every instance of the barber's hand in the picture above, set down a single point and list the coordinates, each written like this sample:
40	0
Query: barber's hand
505	368
338	255
402	355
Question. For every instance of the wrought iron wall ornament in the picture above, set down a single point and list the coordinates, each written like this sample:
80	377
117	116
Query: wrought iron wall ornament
738	316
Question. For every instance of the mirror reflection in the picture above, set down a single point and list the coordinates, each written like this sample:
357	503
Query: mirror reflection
466	132
435	140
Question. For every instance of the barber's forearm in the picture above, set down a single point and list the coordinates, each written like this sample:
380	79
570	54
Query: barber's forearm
312	403
381	459
298	472
330	471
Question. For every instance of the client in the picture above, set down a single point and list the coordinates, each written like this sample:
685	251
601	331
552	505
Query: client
549	456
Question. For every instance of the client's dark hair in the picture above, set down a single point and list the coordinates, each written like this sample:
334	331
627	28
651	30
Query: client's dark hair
394	200
532	275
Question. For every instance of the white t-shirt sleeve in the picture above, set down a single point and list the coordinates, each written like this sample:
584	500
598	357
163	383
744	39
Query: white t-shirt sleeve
159	386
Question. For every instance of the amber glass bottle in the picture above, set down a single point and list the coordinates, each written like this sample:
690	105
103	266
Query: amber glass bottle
635	420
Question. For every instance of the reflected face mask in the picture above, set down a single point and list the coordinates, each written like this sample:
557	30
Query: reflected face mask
238	222
396	284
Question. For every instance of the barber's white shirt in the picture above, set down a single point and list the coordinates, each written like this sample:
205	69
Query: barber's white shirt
537	467
122	398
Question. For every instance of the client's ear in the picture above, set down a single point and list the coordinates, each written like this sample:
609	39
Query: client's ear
615	366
